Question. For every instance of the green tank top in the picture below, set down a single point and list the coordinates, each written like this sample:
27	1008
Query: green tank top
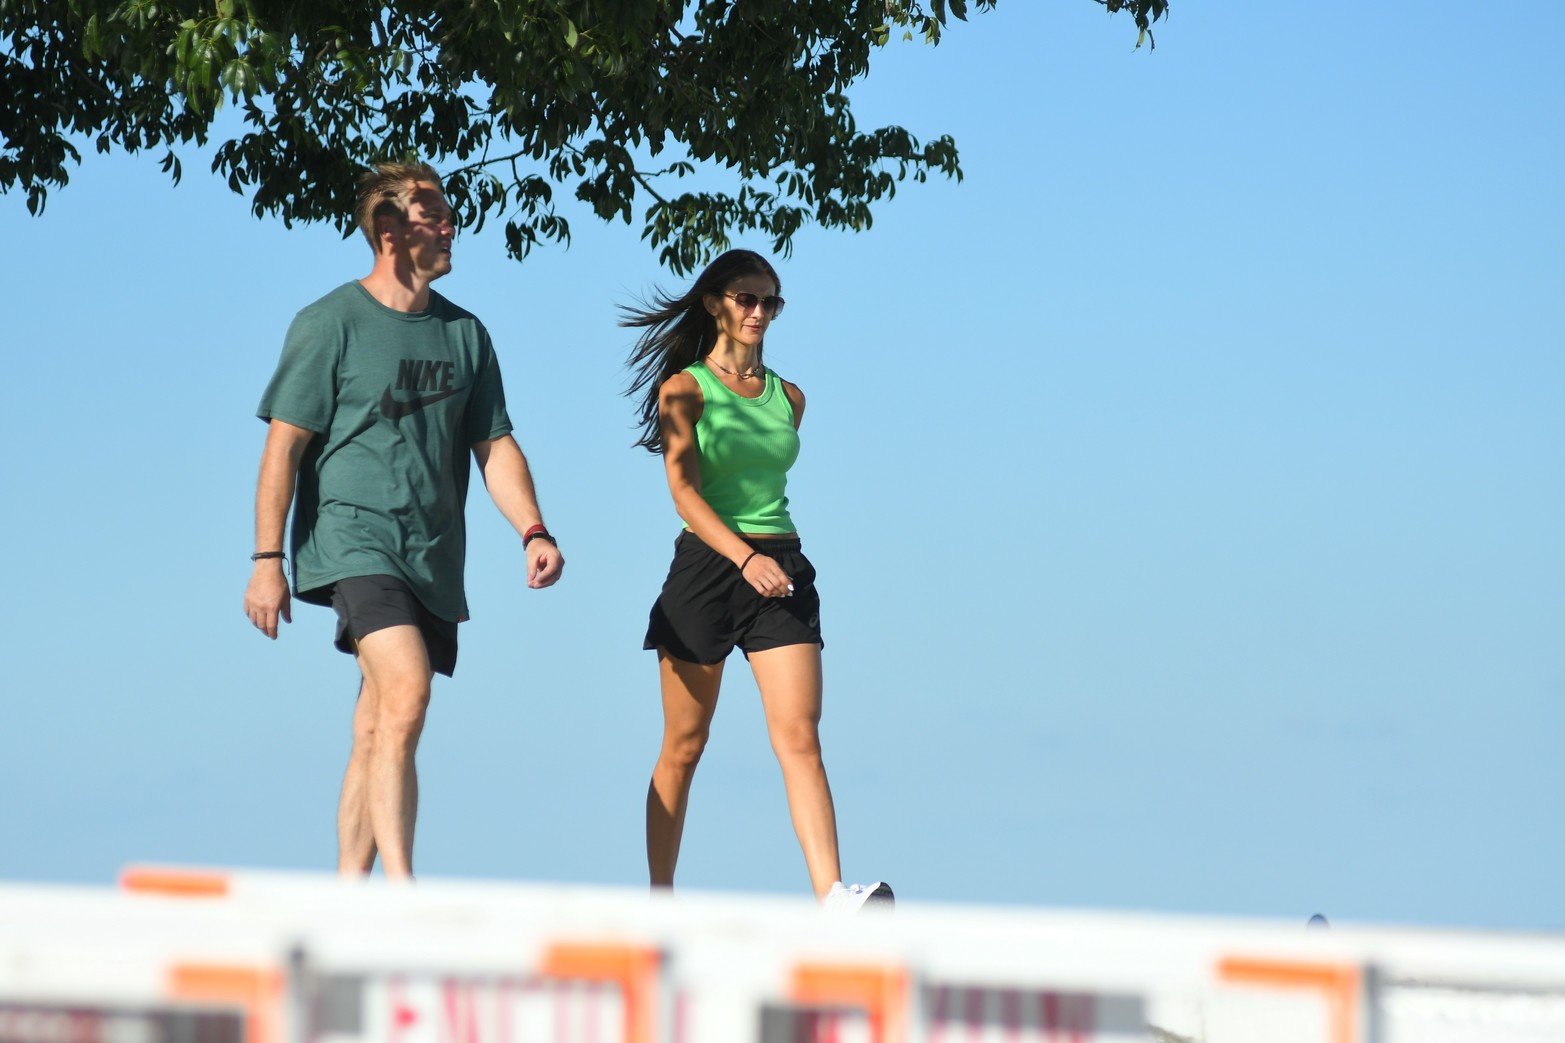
745	447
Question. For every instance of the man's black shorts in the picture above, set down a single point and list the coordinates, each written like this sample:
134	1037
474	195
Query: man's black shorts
706	607
365	604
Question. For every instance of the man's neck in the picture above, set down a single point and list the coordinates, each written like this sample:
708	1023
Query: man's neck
396	285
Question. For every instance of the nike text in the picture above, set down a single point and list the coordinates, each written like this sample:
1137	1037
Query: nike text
424	375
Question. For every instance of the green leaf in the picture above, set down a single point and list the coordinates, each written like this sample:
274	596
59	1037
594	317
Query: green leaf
522	106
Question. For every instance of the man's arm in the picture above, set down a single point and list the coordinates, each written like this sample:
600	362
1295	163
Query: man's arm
510	485
266	598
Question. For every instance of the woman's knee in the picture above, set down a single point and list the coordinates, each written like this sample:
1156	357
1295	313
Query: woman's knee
796	738
682	750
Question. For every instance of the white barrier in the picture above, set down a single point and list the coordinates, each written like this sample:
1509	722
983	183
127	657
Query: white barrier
254	957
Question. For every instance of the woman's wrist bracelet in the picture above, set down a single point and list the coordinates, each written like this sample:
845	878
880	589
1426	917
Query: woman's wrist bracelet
746	561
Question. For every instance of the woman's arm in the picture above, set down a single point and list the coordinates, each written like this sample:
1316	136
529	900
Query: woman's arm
679	407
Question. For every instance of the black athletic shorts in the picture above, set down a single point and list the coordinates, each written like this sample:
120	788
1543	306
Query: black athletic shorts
707	608
365	604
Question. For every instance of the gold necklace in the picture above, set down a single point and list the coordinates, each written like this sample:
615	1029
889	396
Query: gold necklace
738	376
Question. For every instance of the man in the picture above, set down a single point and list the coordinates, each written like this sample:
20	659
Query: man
383	388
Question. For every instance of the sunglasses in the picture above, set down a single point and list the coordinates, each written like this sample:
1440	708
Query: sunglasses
772	306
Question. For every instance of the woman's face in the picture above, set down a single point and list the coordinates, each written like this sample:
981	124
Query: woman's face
743	325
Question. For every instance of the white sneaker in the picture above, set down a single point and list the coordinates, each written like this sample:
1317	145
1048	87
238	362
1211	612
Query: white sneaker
845	898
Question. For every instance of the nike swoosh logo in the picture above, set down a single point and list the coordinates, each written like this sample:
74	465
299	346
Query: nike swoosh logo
390	407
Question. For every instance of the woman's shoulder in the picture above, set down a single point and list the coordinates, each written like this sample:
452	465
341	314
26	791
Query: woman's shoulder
681	383
795	397
697	372
680	389
789	388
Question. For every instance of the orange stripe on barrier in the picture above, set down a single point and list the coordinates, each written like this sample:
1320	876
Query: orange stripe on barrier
1339	984
179	883
256	991
882	992
633	968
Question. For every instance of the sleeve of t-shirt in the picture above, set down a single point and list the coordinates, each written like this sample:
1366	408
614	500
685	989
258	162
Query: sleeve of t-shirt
486	415
303	391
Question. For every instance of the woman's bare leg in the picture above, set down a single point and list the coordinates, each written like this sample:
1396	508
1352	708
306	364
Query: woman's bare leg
689	700
790	683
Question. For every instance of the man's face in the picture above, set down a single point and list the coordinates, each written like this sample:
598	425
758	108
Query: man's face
427	233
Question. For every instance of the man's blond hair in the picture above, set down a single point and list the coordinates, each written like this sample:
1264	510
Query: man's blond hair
388	190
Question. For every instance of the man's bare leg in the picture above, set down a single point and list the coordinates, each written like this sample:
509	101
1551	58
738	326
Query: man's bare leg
395	664
355	839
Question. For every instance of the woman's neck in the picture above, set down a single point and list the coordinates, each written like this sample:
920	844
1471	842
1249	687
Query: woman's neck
736	357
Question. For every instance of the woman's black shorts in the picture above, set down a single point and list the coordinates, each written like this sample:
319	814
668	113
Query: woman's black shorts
706	607
365	604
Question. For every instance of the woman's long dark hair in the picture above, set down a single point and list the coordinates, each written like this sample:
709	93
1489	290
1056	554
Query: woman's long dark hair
680	332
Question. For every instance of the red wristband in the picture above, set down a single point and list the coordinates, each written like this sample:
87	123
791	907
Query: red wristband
533	530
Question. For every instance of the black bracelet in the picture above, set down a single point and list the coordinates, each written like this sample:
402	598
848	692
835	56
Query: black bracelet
539	536
262	555
746	561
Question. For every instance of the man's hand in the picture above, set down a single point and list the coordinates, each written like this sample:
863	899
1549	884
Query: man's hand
266	598
511	487
544	564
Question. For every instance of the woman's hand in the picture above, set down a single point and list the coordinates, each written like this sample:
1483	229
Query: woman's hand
767	577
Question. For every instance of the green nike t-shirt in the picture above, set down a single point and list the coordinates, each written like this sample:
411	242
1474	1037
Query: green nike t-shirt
397	400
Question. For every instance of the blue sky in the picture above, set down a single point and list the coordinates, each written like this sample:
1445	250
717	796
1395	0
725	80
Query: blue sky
1184	485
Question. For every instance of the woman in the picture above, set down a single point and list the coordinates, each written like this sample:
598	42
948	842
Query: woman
727	428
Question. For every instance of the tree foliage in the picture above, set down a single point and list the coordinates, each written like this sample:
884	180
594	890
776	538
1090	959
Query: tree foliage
712	117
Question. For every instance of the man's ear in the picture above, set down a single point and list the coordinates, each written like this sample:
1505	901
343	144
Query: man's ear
385	224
